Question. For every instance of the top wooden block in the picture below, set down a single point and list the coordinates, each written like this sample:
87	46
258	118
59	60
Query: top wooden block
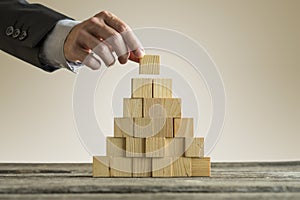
150	64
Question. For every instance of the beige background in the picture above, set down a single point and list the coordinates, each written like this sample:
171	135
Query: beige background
256	45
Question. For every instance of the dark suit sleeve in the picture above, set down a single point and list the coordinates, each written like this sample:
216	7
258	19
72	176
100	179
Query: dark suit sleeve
23	28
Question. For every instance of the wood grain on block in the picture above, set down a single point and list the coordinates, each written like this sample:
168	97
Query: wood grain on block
183	127
132	107
162	167
167	130
194	147
141	167
120	167
162	107
143	127
162	88
101	166
182	167
155	147
141	88
174	147
149	127
123	127
135	147
150	64
201	166
115	146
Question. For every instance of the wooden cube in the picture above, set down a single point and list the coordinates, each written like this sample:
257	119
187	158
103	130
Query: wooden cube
162	107
120	167
155	147
149	64
167	127
115	147
135	147
101	166
174	147
123	127
141	88
194	147
132	107
143	127
182	167
141	167
162	167
162	88
201	166
184	127
153	127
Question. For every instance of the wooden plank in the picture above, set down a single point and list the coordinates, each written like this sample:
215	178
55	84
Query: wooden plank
256	180
174	147
135	147
123	127
201	166
182	167
155	147
149	64
162	167
162	88
101	166
183	127
162	107
141	167
139	193
141	88
153	127
115	146
194	147
132	107
120	167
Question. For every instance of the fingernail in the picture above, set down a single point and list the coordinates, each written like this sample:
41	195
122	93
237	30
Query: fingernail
110	63
92	62
139	53
95	64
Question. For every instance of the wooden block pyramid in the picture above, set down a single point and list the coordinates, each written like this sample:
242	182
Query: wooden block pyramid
152	139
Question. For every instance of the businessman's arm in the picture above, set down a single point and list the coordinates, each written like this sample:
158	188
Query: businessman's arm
103	35
37	35
23	28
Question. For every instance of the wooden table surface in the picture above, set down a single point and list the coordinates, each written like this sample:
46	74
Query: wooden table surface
280	180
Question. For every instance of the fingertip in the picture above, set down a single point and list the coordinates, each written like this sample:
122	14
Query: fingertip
109	61
133	58
139	53
110	64
122	61
91	62
124	58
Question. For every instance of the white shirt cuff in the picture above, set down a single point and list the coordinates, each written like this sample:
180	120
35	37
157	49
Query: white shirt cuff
53	47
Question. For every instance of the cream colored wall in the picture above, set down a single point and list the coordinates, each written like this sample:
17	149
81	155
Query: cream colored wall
256	45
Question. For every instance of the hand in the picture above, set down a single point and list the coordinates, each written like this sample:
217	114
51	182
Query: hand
102	35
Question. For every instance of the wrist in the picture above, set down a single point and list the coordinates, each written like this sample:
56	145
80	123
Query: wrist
53	47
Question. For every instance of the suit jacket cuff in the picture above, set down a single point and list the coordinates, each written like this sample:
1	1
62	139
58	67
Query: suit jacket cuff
52	52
